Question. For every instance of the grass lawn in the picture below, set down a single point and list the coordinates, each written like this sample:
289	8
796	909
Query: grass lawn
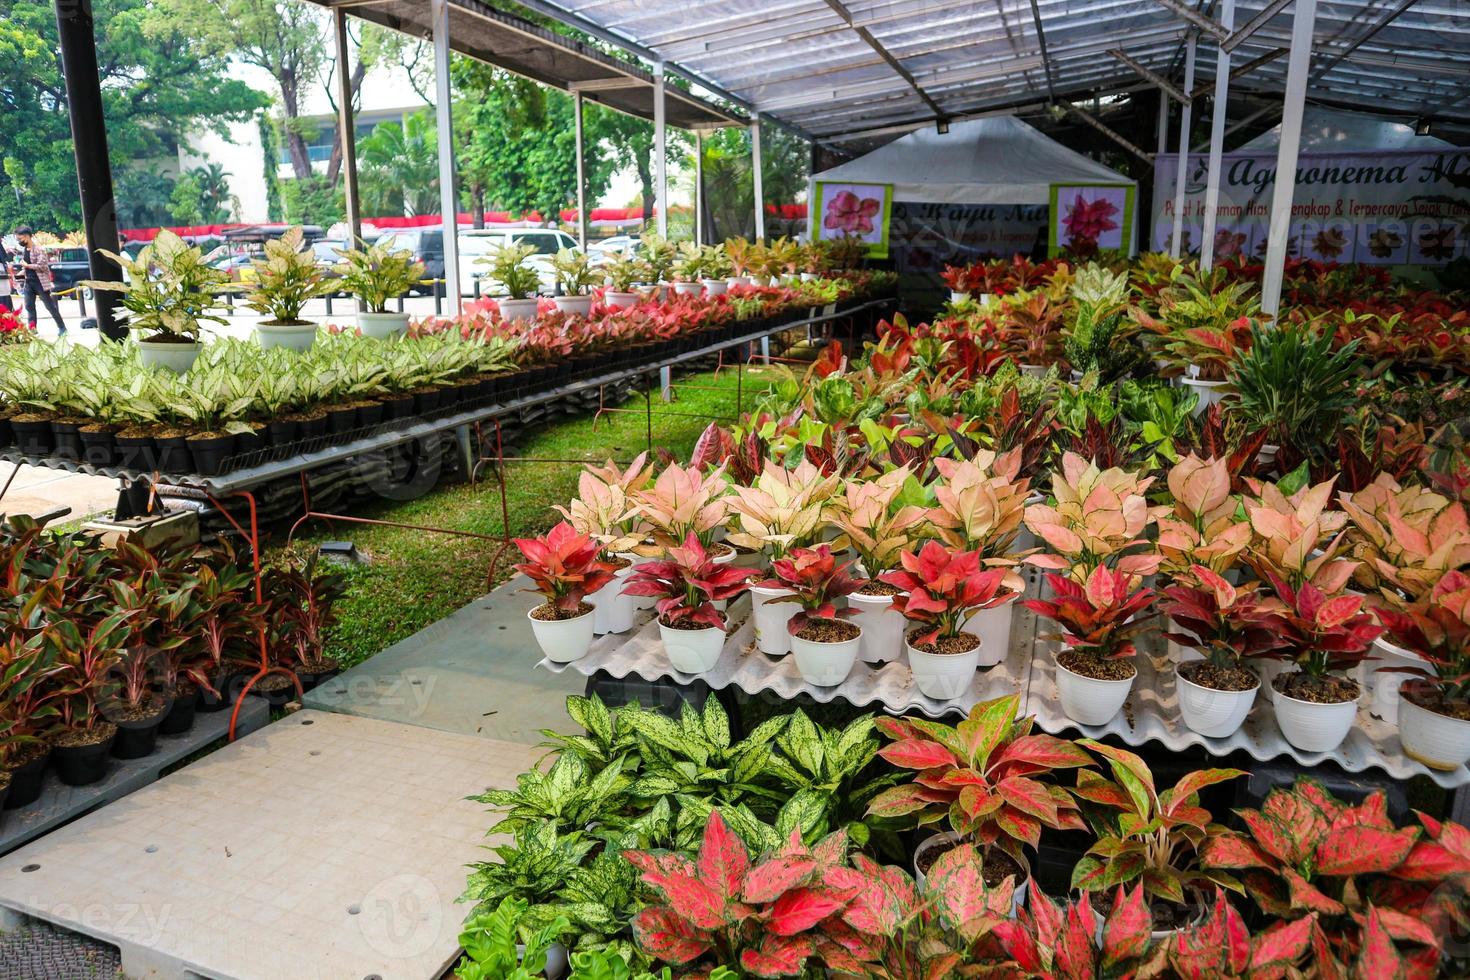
413	578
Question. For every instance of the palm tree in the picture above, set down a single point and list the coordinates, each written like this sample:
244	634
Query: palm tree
399	167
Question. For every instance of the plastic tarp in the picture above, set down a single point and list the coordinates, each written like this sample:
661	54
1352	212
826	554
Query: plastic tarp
1328	130
999	160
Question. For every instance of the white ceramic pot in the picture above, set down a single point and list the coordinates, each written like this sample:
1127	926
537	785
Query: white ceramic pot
1438	741
993	626
1314	727
809	277
1214	714
517	309
381	325
579	305
688	288
714	287
958	297
641	602
1034	370
292	336
563	640
1018	898
943	676
556	959
825	664
770	619
882	627
177	358
1383	686
1089	701
692	651
613	611
1210	393
1268	671
618	299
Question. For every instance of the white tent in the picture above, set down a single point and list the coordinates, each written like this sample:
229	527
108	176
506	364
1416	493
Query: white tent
1334	131
999	160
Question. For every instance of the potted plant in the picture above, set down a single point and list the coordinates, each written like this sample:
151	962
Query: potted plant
1229	627
1434	703
1099	619
304	597
1323	636
169	292
136	709
687	268
510	274
604	510
1150	837
285	280
1100	517
684	501
715	269
659	255
86	652
574	274
27	711
564	568
1297	385
879	531
823	642
622	270
687	584
376	274
780	510
939	588
991	779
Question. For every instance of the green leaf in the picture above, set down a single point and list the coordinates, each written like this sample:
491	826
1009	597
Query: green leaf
716	723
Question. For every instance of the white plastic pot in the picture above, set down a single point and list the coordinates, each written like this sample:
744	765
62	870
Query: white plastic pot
958	297
770	619
993	626
578	305
1438	741
1023	881
1034	370
714	287
292	336
618	299
1269	670
613	611
517	309
882	627
688	288
640	602
1210	393
563	640
692	651
381	325
943	676
1088	700
556	959
809	277
1212	713
1314	727
825	664
1383	686
177	358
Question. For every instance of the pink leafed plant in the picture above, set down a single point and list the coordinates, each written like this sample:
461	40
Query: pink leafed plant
942	587
817	580
687	584
1098	617
564	567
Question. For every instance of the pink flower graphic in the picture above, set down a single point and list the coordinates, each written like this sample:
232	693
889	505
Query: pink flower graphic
1088	220
1229	243
850	214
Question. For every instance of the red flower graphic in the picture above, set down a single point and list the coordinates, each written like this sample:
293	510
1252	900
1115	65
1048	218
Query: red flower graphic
1228	243
850	214
1437	243
1329	243
1088	220
1382	243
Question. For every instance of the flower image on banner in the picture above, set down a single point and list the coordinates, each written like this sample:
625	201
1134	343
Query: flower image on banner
1091	217
858	210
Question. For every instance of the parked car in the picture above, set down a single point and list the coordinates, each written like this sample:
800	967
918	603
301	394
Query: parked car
599	251
426	245
476	244
69	266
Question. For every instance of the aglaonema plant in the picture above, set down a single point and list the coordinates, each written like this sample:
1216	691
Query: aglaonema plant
564	567
817	581
687	584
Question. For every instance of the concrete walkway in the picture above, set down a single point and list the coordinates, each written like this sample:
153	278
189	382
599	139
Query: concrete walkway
38	490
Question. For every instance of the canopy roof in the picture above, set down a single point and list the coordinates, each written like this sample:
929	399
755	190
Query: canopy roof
844	70
1000	160
1326	130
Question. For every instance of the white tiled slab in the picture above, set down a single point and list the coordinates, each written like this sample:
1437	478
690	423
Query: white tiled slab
322	846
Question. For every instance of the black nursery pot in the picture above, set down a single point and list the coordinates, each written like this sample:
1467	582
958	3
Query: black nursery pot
314	428
33	438
398	407
210	454
425	402
180	716
229	685
99	447
282	432
137	739
278	697
26	781
7	432
81	765
370	414
136	453
249	442
173	454
66	440
341	421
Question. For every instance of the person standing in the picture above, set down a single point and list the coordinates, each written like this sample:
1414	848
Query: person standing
38	281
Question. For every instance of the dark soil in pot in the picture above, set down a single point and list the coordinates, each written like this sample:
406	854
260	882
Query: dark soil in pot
79	758
277	690
209	450
1328	689
99	445
996	865
180	716
173	451
1080	662
26	774
1165	915
135	450
311	675
962	643
137	728
33	434
829	630
229	684
1216	678
66	439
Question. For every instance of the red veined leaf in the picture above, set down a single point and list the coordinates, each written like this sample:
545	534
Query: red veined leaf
1431	861
895	728
1406	928
915	753
1091	875
1233	851
1356	850
1305	895
1195	781
1029	796
697	901
798	910
773	877
1130	772
897	801
986	727
942	967
778	956
1021	826
1019	945
1127	930
1275	837
1073	953
1282	944
1091	786
1378	958
665	936
723	860
1043	752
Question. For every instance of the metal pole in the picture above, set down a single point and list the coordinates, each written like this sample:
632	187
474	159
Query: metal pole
1303	21
347	128
581	174
1176	244
74	29
1217	141
755	172
698	187
1163	122
443	111
660	154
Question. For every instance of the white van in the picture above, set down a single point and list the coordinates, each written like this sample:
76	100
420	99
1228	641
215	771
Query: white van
477	243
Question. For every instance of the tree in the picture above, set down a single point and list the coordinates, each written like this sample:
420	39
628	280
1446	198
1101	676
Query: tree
142	197
159	82
202	197
729	191
631	140
398	166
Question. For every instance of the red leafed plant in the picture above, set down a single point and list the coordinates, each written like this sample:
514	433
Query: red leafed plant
687	584
817	581
942	587
564	567
1437	627
768	917
1099	616
1063	944
1372	890
1322	634
989	776
1224	623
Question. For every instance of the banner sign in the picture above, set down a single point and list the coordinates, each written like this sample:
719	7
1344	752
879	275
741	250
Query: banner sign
1088	216
1374	207
928	236
863	210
